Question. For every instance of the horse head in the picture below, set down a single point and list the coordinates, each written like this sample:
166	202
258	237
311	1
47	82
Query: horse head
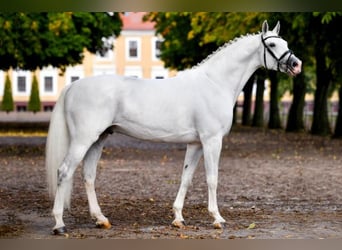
276	54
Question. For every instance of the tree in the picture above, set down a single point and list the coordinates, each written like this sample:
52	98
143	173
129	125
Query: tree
301	43
247	101
327	54
274	117
295	122
7	99
36	39
34	101
338	125
258	117
179	50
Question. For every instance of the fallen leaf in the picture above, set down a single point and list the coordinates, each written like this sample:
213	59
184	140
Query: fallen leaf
251	226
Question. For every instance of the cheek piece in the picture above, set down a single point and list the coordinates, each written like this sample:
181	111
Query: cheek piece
288	61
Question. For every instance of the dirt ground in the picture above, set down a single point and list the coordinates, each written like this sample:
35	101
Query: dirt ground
272	185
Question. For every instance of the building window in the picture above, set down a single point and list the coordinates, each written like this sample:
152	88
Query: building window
73	74
48	108
159	72
21	87
157	47
2	82
48	84
21	82
74	78
133	49
48	81
133	71
21	108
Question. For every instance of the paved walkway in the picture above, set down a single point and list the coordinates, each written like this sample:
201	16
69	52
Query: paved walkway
25	117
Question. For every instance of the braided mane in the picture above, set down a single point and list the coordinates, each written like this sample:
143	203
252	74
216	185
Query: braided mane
222	47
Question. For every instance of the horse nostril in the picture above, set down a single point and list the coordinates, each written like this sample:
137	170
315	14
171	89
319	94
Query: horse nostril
294	64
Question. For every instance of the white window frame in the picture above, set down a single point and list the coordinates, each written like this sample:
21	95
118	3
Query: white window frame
104	70
76	71
154	50
127	41
48	72
159	71
2	83
27	75
133	71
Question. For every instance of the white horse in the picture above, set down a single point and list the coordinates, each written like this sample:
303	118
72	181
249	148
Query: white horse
194	107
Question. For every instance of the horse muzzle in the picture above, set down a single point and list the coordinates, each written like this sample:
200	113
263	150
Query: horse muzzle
293	65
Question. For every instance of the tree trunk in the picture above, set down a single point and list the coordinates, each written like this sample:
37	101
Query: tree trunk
247	102
295	122
338	126
258	118
234	114
320	122
274	121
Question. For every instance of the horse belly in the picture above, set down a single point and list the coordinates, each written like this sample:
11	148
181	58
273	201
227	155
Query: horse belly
157	131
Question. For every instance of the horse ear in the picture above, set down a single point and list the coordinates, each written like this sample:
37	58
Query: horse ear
264	27
277	28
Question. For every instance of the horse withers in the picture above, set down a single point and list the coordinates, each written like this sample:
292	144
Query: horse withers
195	107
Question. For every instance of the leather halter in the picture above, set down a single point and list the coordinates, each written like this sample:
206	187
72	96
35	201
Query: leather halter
273	55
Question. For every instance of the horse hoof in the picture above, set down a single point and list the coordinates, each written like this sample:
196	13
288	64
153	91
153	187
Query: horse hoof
179	224
103	225
219	225
62	231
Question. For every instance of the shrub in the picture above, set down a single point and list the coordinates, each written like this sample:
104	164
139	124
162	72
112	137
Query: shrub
34	102
7	98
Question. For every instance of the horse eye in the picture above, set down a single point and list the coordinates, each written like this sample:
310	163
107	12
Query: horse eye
272	45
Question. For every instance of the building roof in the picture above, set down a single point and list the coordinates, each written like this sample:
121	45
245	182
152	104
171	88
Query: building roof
134	21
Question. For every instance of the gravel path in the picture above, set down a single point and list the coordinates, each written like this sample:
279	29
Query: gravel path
272	185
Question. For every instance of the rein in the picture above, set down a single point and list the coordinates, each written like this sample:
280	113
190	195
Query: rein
273	55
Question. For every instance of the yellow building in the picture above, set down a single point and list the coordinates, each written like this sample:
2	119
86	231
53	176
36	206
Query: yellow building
135	54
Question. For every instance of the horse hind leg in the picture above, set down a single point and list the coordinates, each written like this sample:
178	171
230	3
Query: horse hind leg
192	157
74	156
89	174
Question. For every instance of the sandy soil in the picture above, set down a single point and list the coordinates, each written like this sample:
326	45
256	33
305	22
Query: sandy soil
272	185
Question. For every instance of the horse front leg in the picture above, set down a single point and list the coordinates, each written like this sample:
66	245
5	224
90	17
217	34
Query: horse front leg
212	150
89	174
192	157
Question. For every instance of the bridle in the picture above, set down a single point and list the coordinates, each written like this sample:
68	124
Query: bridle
274	56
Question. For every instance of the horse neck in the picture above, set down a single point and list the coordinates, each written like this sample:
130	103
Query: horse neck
232	66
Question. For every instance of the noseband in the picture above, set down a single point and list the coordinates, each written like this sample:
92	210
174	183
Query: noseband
273	55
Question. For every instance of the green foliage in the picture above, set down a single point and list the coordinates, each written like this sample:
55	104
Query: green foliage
220	27
327	17
179	50
7	99
36	39
34	101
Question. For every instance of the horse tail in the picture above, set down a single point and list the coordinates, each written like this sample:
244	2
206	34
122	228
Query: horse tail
57	144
